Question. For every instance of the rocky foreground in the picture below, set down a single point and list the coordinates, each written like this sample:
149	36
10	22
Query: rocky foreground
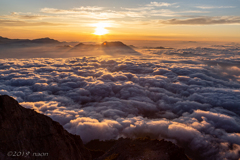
26	135
137	149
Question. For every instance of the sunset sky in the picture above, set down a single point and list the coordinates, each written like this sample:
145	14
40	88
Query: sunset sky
118	20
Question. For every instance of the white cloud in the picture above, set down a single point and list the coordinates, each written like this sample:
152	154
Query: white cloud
183	95
203	20
161	4
214	7
73	10
86	12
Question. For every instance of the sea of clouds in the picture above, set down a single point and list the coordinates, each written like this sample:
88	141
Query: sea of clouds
188	96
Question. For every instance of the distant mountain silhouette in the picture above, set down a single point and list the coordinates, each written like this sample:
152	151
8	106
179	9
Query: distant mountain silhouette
4	40
79	45
110	48
114	44
119	48
51	48
157	48
45	40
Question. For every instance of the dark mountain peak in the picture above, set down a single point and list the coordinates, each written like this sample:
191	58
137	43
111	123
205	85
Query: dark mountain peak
3	37
79	45
114	44
45	40
118	48
27	131
7	104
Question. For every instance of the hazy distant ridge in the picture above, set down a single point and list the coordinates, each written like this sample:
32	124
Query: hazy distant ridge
4	40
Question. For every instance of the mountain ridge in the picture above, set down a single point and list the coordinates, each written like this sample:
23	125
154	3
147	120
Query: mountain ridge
4	40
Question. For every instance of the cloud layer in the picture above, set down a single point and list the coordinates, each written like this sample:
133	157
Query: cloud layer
188	96
203	20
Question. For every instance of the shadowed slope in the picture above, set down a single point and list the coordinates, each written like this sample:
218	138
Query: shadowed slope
140	148
24	130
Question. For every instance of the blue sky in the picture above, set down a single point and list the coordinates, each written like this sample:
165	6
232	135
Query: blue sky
121	17
35	5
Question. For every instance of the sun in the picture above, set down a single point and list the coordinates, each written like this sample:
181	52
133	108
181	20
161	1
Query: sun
100	29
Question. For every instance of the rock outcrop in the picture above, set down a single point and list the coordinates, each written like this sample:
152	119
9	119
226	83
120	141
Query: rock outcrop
26	135
144	149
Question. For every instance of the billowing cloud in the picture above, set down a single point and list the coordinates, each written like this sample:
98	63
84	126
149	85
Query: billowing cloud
188	96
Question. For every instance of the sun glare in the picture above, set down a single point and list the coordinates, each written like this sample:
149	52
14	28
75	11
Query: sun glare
100	29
